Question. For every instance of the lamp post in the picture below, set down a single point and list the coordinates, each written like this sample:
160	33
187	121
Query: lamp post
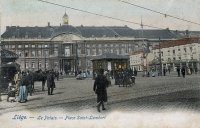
160	60
76	59
45	56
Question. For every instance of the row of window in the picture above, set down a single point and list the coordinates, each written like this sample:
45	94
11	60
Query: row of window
67	52
101	51
190	50
34	65
27	46
56	45
33	53
178	58
106	45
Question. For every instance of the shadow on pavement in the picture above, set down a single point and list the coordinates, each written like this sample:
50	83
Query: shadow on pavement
58	93
33	99
189	99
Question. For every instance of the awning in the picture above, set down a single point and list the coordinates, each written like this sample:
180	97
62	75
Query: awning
8	56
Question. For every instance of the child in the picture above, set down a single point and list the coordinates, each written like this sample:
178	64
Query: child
11	93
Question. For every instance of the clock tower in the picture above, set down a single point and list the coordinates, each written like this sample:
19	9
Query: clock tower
65	19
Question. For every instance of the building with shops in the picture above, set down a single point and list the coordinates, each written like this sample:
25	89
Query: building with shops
179	53
136	61
183	52
68	48
140	60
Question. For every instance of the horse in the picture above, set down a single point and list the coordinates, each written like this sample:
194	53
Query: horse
38	76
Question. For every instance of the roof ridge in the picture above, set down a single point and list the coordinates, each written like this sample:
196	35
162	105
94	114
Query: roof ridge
113	31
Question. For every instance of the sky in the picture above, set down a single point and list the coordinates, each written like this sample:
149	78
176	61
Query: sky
36	13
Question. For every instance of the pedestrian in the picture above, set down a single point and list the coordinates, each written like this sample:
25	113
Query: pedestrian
178	71
135	72
106	73
100	86
30	82
50	82
169	70
57	75
164	71
189	71
17	79
23	93
183	72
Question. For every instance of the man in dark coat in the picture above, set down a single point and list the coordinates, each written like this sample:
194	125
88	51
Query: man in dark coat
183	72
50	83
178	71
164	71
30	82
100	85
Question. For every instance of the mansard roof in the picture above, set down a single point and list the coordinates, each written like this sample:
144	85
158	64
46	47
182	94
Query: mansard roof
30	32
156	34
67	29
87	32
178	42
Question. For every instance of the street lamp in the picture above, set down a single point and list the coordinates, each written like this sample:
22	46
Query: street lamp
76	59
45	56
160	60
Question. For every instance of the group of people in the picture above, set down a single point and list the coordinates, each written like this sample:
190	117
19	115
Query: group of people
23	83
182	71
125	77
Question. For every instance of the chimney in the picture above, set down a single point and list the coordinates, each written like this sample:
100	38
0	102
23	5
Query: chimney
48	24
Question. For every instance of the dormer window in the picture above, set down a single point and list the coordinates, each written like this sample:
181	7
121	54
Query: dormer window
39	35
26	36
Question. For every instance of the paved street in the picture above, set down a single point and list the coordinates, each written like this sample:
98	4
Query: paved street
159	93
157	102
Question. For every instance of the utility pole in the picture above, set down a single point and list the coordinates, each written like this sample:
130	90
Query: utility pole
76	59
45	57
85	58
160	60
144	54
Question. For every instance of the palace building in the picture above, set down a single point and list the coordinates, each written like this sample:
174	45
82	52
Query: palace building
68	48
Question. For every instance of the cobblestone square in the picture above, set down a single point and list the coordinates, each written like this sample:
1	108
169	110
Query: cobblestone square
149	94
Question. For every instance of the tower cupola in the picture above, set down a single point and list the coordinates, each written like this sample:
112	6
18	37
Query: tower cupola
65	19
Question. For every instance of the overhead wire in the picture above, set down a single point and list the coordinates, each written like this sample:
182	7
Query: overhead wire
158	12
92	13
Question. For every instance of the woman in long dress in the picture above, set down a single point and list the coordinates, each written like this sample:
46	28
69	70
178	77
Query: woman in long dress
23	93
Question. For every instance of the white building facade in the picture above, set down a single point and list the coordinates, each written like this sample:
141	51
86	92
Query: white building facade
137	61
169	55
179	53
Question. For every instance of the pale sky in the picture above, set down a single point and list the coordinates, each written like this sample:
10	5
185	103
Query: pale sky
36	13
